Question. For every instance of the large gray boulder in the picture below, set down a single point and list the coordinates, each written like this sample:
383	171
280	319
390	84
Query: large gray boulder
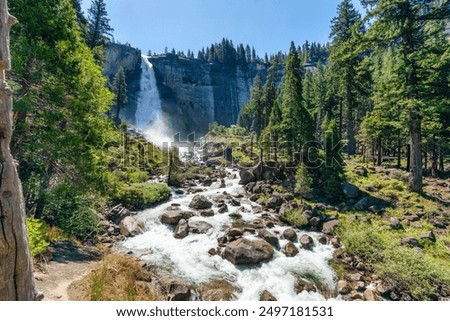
199	227
274	202
290	250
307	242
328	227
269	238
363	204
290	234
350	190
173	217
244	251
182	229
200	202
246	177
131	226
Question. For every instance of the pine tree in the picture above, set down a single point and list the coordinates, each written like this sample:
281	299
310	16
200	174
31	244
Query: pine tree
297	124
269	92
344	60
332	169
99	29
403	24
251	115
120	89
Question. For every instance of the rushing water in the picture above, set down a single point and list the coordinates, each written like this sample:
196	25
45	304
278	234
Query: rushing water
188	258
149	115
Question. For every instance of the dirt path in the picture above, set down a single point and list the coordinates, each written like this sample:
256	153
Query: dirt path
70	263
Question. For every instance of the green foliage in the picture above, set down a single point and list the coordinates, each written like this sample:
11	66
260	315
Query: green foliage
251	116
296	217
99	29
140	196
37	236
137	176
120	89
412	271
332	170
303	181
73	210
216	129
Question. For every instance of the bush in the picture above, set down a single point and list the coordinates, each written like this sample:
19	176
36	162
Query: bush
37	236
296	217
73	210
411	271
139	196
137	176
362	240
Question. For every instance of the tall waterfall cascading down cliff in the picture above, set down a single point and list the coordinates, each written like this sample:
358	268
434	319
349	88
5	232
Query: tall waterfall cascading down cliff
149	116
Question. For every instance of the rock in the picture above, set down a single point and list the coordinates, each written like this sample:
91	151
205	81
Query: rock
235	216
200	202
274	202
129	226
235	202
176	290
363	204
244	251
350	190
361	266
343	287
117	214
370	295
199	227
181	230
173	217
328	227
222	183
323	240
370	188
254	197
267	296
302	284
428	236
246	177
360	286
290	234
307	242
410	241
315	221
290	250
235	232
361	170
269	238
207	182
207	213
218	290
356	296
395	223
212	251
223	208
354	277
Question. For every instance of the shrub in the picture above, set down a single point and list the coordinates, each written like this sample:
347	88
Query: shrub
37	236
303	182
139	196
362	240
411	271
73	210
137	176
296	217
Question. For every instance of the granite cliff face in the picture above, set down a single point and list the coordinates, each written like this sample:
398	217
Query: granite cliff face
193	92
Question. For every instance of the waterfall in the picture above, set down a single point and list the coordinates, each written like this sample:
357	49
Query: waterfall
149	115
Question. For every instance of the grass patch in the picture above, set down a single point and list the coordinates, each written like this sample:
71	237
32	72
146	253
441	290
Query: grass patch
296	217
116	278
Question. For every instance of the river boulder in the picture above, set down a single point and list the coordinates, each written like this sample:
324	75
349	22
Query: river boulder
131	226
290	250
173	217
182	229
200	202
244	251
199	227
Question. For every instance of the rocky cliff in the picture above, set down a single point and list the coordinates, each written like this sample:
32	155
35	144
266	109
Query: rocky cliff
193	92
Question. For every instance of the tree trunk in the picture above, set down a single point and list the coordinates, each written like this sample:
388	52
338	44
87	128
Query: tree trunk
434	161
415	173
408	157
16	274
399	154
441	160
340	119
379	152
425	157
351	141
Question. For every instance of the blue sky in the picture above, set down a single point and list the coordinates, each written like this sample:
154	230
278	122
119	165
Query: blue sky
268	25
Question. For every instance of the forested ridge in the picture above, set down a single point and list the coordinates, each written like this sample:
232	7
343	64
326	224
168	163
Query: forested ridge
353	142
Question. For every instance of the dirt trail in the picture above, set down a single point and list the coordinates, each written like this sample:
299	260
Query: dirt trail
70	263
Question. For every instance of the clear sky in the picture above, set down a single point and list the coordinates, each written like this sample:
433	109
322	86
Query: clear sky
268	25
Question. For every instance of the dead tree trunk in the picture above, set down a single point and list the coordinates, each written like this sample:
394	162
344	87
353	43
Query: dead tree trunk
16	275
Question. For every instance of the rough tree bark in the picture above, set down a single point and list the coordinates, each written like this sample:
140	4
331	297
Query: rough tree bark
16	275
